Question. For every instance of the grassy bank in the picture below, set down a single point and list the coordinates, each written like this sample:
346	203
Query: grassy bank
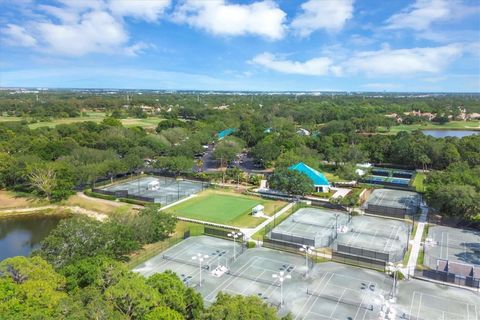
452	125
147	123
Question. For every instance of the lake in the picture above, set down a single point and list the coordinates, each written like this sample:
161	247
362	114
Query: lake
21	235
450	133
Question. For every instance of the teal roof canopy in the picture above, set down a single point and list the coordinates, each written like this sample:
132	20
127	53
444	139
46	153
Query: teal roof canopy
222	134
317	177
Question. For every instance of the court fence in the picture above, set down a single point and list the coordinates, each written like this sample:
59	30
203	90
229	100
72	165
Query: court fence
359	261
386	211
447	277
123	194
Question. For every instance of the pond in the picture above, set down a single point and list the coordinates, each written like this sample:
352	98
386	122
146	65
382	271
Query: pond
450	133
21	235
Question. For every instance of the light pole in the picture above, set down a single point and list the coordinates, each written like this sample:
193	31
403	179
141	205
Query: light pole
234	235
394	268
200	258
281	276
307	250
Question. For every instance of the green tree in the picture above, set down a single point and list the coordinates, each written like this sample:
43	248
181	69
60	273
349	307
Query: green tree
132	297
226	150
291	182
175	165
43	179
240	307
461	201
80	237
149	225
29	289
112	122
176	296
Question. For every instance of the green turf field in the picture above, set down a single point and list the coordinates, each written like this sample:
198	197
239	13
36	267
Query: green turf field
225	207
216	207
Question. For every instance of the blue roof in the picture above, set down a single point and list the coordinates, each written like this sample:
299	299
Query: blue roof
317	177
224	133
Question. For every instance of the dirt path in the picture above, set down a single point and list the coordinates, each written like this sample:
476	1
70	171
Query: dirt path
109	202
73	209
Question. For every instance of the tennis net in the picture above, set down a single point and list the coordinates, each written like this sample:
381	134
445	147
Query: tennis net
332	226
340	300
378	234
244	276
184	261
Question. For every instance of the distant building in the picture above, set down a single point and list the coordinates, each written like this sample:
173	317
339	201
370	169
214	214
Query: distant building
225	133
473	116
320	183
303	132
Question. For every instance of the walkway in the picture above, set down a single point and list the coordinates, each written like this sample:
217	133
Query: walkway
416	243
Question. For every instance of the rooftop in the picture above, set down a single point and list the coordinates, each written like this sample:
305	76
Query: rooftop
317	177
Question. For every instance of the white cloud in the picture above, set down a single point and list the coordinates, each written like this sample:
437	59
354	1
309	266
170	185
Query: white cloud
402	61
313	67
17	35
383	62
96	31
76	28
421	14
148	10
262	18
330	15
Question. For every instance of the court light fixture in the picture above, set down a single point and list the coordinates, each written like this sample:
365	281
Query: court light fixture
200	258
395	268
281	276
234	235
307	250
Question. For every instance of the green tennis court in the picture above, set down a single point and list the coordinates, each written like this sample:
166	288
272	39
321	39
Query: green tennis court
214	207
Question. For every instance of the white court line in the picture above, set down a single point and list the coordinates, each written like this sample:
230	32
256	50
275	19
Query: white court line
446	248
316	298
308	299
411	303
446	299
441	248
361	303
336	305
419	305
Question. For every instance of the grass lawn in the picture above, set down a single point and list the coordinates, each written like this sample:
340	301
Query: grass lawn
9	200
419	182
147	123
452	125
150	250
225	208
97	206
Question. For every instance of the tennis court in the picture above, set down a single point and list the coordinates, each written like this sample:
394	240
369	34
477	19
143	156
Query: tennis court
418	299
310	226
166	190
341	292
331	290
373	237
392	203
219	252
361	236
453	245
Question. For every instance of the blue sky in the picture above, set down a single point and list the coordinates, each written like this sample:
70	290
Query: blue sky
305	45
